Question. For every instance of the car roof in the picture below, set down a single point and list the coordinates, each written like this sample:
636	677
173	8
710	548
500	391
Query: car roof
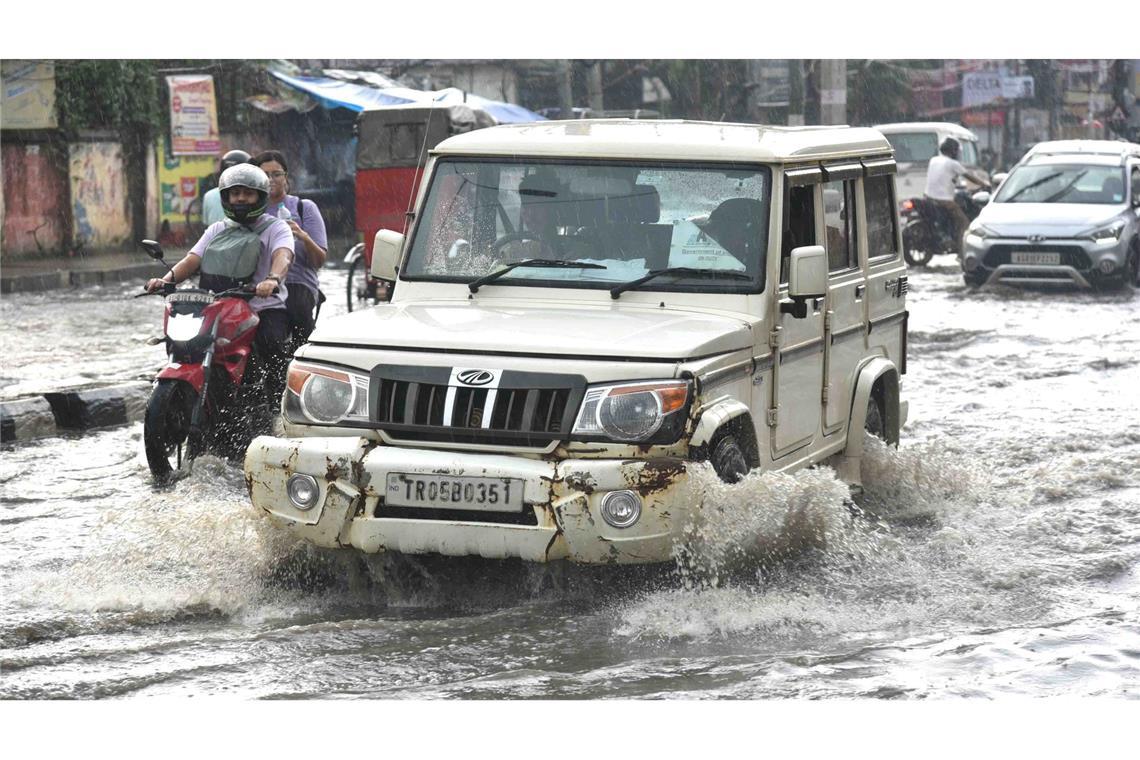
1072	159
669	140
954	130
1117	149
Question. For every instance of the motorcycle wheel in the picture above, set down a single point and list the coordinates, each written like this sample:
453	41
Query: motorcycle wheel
166	428
361	291
353	268
915	258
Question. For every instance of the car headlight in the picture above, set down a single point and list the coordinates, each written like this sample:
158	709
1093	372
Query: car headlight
1109	234
325	396
642	411
978	233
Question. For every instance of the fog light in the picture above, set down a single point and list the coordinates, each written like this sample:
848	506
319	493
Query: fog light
303	491
621	509
971	263
1107	266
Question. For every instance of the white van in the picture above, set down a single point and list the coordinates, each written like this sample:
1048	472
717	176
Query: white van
917	142
582	310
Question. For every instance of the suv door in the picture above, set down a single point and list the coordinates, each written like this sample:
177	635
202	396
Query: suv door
845	318
797	344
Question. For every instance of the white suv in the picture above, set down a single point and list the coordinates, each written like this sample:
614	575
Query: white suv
582	311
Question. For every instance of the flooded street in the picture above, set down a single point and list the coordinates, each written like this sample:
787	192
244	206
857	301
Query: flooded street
999	552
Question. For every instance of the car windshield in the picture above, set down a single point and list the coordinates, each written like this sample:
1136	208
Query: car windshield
1063	183
911	147
620	220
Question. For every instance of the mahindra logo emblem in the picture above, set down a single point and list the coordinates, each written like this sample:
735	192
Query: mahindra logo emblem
475	377
1036	238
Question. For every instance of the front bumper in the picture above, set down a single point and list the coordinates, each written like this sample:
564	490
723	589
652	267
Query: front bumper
565	497
1082	263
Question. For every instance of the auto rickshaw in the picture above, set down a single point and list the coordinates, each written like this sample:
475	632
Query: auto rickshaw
391	149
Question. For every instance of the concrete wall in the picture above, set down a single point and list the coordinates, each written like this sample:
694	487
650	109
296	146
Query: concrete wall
35	198
100	220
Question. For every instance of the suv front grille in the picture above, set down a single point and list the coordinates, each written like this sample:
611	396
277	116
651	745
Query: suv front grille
523	409
1071	255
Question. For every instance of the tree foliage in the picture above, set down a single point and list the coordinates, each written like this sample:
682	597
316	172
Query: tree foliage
113	95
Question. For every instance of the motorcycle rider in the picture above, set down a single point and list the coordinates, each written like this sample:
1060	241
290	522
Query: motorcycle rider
212	210
941	173
244	191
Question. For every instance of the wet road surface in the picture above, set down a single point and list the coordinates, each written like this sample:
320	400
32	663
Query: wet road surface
1000	553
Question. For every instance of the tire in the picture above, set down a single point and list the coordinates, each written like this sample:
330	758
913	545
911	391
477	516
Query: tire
974	279
874	424
166	428
728	460
915	258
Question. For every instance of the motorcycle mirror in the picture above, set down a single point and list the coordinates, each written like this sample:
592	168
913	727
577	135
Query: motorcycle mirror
152	248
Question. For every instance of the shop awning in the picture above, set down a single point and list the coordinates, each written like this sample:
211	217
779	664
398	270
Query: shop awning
337	93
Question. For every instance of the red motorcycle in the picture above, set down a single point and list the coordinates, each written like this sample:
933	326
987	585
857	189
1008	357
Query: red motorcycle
207	398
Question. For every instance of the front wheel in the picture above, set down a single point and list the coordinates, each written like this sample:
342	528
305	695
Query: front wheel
913	257
166	428
728	460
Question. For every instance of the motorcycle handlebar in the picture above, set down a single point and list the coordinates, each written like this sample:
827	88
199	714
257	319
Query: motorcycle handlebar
245	291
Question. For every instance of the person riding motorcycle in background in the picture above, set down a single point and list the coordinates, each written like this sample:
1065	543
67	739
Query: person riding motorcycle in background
941	173
244	191
212	210
310	246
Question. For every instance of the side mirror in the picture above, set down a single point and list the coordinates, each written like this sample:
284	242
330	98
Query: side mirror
152	248
981	197
386	249
807	278
997	178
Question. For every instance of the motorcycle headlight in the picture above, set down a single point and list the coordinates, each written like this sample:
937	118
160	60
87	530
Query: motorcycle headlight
642	412
1109	234
325	396
184	327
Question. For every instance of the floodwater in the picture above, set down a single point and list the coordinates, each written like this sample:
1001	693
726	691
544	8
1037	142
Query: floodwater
999	554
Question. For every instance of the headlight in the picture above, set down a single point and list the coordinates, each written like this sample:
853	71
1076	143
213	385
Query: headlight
1109	234
979	232
325	396
183	327
633	411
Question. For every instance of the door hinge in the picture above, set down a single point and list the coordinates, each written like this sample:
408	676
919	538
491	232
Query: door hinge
773	416
827	320
774	337
826	394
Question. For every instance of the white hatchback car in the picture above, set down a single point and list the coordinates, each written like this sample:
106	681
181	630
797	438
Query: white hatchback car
1068	214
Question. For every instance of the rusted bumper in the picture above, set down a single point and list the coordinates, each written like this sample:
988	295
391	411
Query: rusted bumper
565	497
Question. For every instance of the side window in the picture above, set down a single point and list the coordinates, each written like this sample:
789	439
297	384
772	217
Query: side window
1135	184
839	218
799	224
882	221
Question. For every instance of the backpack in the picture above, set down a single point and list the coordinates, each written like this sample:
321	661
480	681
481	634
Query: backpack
230	259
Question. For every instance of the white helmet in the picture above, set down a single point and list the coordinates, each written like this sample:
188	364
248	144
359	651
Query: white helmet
244	175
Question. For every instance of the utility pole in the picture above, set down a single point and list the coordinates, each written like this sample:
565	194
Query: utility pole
594	87
833	91
565	89
795	92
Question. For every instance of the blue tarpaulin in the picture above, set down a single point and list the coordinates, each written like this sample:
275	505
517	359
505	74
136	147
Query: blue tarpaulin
335	93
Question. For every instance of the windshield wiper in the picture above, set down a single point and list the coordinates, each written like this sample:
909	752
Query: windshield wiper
474	285
1031	185
617	290
1064	190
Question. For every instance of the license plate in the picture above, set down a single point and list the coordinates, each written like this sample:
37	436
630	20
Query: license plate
454	492
1022	257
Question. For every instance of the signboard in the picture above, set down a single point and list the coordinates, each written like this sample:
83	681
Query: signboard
179	182
773	88
29	95
982	87
193	116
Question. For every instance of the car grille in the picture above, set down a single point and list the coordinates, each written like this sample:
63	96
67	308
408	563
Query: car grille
1071	255
525	409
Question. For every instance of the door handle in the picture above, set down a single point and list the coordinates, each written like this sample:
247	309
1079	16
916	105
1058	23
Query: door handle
859	291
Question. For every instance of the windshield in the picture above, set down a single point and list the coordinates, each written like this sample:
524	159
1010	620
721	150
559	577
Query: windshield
920	147
1063	183
480	216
